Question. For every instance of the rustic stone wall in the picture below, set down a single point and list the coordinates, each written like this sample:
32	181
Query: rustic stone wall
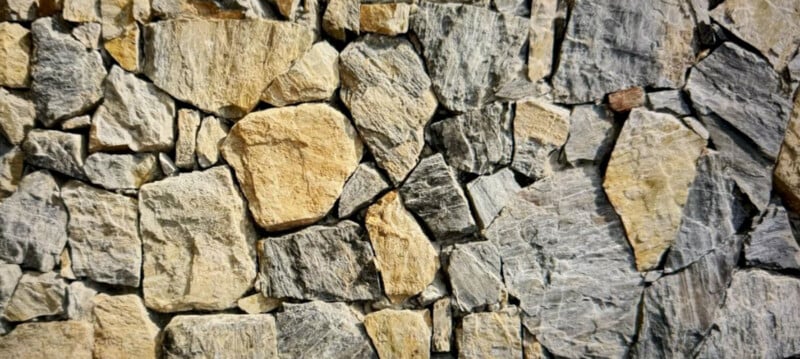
368	178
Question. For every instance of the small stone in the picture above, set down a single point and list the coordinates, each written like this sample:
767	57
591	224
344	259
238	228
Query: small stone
669	101
399	333
18	10
540	129
697	127
542	40
76	123
626	100
591	134
434	291
313	77
12	162
168	167
492	334
489	194
385	19
122	328
81	10
531	348
772	244
65	271
9	277
125	48
341	16
135	115
55	150
118	15
210	136
361	189
80	301
88	35
36	295
17	116
287	8
321	330
404	255
475	276
115	172
190	10
388	93
221	336
15	45
258	303
442	326
69	339
185	145
787	176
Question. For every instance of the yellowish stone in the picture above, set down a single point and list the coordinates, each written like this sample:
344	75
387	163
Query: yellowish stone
69	339
314	77
540	129
125	48
399	333
542	38
258	303
122	328
81	10
15	52
387	19
787	171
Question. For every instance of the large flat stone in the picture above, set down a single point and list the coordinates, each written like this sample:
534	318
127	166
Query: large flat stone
321	330
221	336
491	335
68	339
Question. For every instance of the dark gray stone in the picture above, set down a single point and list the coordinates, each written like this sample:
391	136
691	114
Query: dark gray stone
669	101
772	244
591	134
363	186
474	272
55	150
321	330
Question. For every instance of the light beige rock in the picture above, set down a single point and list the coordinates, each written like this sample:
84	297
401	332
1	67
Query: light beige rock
209	137
442	326
88	35
17	116
221	336
118	15
404	255
229	77
81	10
9	277
122	328
648	178
292	162
11	166
540	129
76	123
386	19
258	303
314	77
80	301
341	16
399	333
65	271
193	9
542	38
287	8
18	10
69	339
188	123
123	171
37	294
15	50
531	348
125	48
787	171
491	335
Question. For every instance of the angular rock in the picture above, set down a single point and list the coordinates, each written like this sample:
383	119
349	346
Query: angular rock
442	326
696	126
15	45
168	167
198	242
313	77
76	123
55	150
399	333
475	276
540	129
404	255
118	15
88	35
66	79
125	49
220	335
81	10
489	194
17	116
542	38
80	301
771	244
385	19
492	334
341	16
388	93
648	178
592	132
626	100
321	330
126	171
33	223
258	303
471	52
69	339
9	277
122	328
434	291
103	235
36	295
787	178
135	115
186	143
210	136
18	10
228	78
65	269
12	161
669	101
361	189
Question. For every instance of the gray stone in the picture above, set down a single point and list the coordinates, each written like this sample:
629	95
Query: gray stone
168	168
489	194
771	244
540	130
361	189
55	150
209	137
321	330
479	141
67	79
566	260
592	132
471	52
220	336
80	301
33	223
516	7
88	35
186	143
474	272
125	171
611	45
696	126
669	101
433	193
434	291
76	123
17	116
9	277
36	295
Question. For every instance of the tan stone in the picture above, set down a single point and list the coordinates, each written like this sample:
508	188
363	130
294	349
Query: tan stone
542	38
648	178
122	328
540	129
341	16
66	265
81	10
209	137
404	255
258	303
11	165
442	325
189	9
787	171
292	162
399	333
626	100
37	294
117	16
531	348
17	116
491	335
386	19
287	8
69	339
314	77
185	146
15	50
125	48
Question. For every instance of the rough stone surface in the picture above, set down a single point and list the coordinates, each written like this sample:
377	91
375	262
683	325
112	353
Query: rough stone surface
542	38
626	100
388	93
55	150
475	276
36	295
787	170
340	17
442	326
592	132
186	143
125	49
399	333
88	35
18	10
168	167
321	330
81	10
209	137
12	161
9	277
313	77
489	194
361	189
292	162
80	301
540	129
17	115
76	123
492	334
386	19
15	45
125	171
122	328
198	242
669	101
220	335
69	339
258	303
772	244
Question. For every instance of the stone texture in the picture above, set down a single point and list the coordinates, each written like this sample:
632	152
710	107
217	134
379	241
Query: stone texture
117	172
669	101
168	167
18	10
81	10
227	78
787	170
313	77
399	333
188	9
442	326
186	143
388	93
88	35
489	194
404	256
17	115
340	17
491	335
542	38
122	328
103	235
12	161
125	49
385	19
210	136
258	303
55	150
648	179
771	244
9	277
69	339
76	123
292	162
475	276
321	330
592	132
434	291
118	15
33	223
540	130
626	100
15	45
220	335
36	295
198	242
361	189
80	301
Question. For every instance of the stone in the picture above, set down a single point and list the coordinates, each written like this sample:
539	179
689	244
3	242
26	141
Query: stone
186	143
226	79
433	193
471	52
103	235
491	334
68	339
787	169
331	263
340	17
313	77
15	45
542	27
434	291
772	244
18	10
125	48
66	79
12	161
540	130
210	136
135	115
168	167
489	194
648	178
531	348
669	101
258	303
399	333
566	260
17	116
478	141
592	132
388	93
80	301
626	100
697	127
81	11
188	9
121	171
65	263
33	223
198	242
475	276
88	35
220	335
9	277
321	330
36	295
361	189
122	328
404	255
118	15
442	326
385	19
55	150
76	123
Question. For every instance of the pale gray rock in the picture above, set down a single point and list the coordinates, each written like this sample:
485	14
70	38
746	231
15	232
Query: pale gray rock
433	193
361	189
55	150
209	137
321	330
669	101
331	263
37	294
771	244
471	52
489	194
696	126
592	132
9	277
17	116
186	143
434	291
516	7
479	141
80	301
168	168
124	171
88	35
221	336
76	123
475	276
566	259
67	79
794	71
33	223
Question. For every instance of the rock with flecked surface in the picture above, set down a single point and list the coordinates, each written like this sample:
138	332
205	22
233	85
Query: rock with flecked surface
186	143
475	276
88	35
258	303
361	189
80	302
787	170
125	49
17	116
491	334
68	339
771	244
81	10
669	101
313	77
489	194
209	137
220	335
592	133
341	16
9	277
540	130
15	45
123	171
542	38
55	150
399	333
386	19
321	330
442	326
36	295
122	328
12	162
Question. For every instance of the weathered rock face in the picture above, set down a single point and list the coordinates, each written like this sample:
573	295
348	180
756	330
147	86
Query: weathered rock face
36	295
313	77
442	325
228	77
475	276
385	19
772	244
12	161
489	194
9	277
198	242
122	328
124	171
17	116
542	38
385	87
341	16
399	333
787	176
492	334
669	101
219	335
540	129
68	339
321	330
258	303
292	162
81	10
591	134
626	100
55	150
186	143
363	186
15	44
80	301
209	137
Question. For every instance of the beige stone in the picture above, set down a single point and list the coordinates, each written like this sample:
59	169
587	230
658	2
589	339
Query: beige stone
209	137
386	19
11	165
221	336
65	271
540	129
37	294
191	9
341	16
542	38
531	348
787	171
125	48
287	8
442	325
399	333
404	255
648	178
118	15
314	77
17	116
258	303
491	335
18	10
292	162
15	50
88	34
185	146
81	10
69	339
122	328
